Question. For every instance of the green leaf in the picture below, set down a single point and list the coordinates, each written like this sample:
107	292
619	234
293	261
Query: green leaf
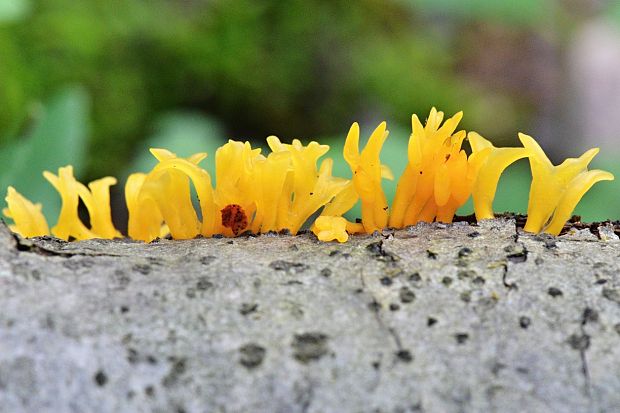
184	134
12	10
58	139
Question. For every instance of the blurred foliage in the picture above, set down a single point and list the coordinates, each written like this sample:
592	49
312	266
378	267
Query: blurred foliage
58	138
523	12
13	10
294	68
184	134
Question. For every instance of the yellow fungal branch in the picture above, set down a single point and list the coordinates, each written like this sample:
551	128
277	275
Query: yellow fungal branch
283	190
27	217
556	190
96	199
367	172
434	184
488	163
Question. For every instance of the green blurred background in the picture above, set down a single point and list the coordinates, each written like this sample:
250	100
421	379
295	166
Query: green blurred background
94	83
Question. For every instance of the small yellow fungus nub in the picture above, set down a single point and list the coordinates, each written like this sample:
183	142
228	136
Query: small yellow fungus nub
329	228
27	217
556	190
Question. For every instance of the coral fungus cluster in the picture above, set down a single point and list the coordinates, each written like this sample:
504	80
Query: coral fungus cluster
283	190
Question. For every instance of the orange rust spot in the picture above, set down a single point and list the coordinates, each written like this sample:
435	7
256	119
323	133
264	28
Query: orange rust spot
234	217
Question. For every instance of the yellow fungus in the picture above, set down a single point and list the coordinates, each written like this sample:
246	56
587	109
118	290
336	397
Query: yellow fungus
489	162
433	185
96	199
27	217
329	228
283	190
556	190
367	173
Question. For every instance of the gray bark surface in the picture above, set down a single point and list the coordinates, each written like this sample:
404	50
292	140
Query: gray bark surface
434	318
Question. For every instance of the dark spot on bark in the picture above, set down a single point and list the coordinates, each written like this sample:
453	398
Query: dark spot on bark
124	309
100	378
550	244
374	306
203	284
538	261
464	252
406	295
617	328
394	307
142	268
293	247
473	234
207	259
386	281
589	315
465	296
497	367
612	294
122	279
149	391
517	253
479	281
178	367
415	277
71	264
431	321
463	274
432	255
36	275
579	342
524	322
461	338
248	308
309	347
231	242
151	359
447	281
378	252
404	355
326	272
251	355
334	253
190	293
554	292
132	355
156	260
218	236
601	281
376	365
288	267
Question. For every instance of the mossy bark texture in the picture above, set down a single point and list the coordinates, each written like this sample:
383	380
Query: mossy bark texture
434	318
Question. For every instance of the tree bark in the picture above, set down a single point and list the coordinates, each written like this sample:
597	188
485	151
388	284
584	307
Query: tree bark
434	318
